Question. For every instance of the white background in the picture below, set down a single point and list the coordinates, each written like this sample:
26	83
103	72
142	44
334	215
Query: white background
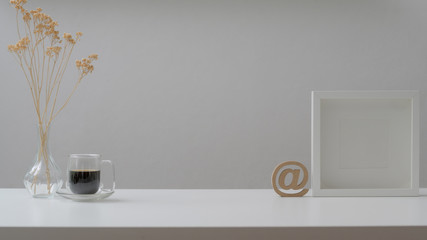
208	94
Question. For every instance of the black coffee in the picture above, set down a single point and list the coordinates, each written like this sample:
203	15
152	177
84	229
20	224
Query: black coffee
84	181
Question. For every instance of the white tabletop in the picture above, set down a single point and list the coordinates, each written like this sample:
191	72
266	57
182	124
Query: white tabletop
210	208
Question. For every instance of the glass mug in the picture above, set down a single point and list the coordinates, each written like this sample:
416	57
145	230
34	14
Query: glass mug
84	173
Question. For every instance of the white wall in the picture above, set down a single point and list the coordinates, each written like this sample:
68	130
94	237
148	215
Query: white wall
209	94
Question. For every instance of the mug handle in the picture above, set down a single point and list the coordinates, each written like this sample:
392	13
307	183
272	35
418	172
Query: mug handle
114	176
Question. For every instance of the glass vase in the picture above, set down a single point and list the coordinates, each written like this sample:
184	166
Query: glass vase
44	178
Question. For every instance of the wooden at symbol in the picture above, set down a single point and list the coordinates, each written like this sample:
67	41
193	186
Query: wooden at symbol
294	185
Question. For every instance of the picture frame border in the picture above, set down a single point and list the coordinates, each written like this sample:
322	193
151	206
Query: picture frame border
317	96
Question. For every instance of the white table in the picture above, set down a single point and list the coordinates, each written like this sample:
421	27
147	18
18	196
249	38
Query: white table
211	214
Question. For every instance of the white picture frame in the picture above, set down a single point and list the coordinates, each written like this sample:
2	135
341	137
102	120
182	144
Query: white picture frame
365	143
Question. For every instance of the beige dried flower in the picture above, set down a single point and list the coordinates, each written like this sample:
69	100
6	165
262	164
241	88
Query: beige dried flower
93	56
46	72
53	51
20	46
69	38
26	17
85	65
18	5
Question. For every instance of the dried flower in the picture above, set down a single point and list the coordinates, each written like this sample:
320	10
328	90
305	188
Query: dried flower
85	65
53	51
20	46
69	38
18	5
93	56
27	17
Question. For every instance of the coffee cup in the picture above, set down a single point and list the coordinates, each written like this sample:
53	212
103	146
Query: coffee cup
84	174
